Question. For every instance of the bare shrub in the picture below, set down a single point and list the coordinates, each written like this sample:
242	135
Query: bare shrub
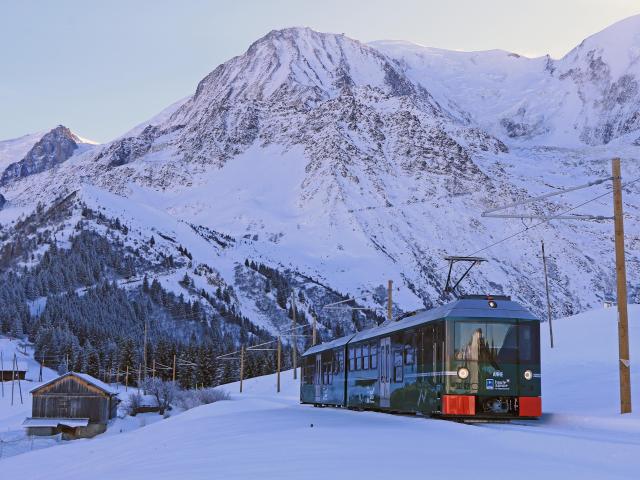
187	399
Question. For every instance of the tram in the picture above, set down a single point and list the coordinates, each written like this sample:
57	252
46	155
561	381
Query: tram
477	357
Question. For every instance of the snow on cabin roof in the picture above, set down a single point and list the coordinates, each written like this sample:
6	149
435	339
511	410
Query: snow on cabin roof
8	366
54	422
471	306
84	376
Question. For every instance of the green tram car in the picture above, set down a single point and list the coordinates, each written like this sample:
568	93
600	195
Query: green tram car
476	357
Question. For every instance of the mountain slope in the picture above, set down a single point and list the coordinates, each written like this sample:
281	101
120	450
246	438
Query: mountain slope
338	165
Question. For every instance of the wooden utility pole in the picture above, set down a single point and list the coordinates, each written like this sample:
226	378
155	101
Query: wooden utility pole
145	350
153	368
278	363
621	276
174	368
293	334
315	330
2	368
139	376
546	285
390	301
241	366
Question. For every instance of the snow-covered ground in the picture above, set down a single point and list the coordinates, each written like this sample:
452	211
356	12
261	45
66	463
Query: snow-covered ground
261	434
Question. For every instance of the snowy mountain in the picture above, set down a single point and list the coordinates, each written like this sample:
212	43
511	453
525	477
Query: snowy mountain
333	166
590	96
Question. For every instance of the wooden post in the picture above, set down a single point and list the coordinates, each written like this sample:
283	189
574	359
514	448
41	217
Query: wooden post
15	359
139	376
546	285
241	366
153	368
126	380
2	368
621	275
144	359
390	301
293	337
13	378
315	329
173	377
278	363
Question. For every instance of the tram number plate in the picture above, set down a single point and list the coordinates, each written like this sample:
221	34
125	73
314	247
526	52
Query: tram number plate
495	384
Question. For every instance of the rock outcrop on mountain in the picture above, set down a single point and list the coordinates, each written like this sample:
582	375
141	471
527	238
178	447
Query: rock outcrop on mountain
52	149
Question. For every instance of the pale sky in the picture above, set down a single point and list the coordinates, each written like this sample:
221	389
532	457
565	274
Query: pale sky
101	67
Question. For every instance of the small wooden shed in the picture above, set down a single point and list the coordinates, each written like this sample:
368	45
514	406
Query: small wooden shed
7	371
78	404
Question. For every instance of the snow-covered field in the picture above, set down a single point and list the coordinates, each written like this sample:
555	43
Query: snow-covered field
261	434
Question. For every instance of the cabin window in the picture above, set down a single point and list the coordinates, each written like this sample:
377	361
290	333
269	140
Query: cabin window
358	358
340	356
308	373
397	366
327	376
374	355
352	359
365	357
409	355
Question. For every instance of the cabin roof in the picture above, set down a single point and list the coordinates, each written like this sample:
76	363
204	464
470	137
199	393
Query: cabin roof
83	376
7	366
471	306
54	422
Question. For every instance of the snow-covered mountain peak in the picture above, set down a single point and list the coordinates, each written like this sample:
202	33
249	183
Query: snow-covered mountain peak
617	46
46	151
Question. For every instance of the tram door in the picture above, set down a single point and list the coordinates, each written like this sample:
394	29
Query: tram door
384	371
317	381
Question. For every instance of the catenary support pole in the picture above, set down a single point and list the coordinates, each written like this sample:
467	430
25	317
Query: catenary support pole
145	350
2	367
278	363
390	300
621	276
173	377
241	366
15	359
546	286
294	352
315	330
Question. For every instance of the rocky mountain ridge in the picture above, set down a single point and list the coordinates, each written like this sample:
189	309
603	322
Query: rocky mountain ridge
352	164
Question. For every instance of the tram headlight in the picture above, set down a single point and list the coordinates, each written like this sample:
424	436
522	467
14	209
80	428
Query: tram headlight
528	374
463	373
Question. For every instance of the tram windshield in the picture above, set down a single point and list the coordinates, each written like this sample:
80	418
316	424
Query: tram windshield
495	343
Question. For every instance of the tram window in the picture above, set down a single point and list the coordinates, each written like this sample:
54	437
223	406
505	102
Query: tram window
397	366
486	342
358	358
529	341
503	342
340	361
365	357
374	355
352	359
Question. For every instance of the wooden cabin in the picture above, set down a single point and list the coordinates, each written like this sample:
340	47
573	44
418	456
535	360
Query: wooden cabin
74	404
7	371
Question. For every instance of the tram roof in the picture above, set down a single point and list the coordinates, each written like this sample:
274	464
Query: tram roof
338	342
471	306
